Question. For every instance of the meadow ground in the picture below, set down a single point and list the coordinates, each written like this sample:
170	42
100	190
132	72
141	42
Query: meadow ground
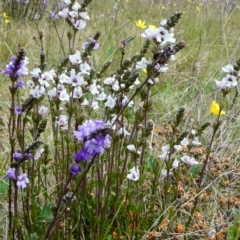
212	35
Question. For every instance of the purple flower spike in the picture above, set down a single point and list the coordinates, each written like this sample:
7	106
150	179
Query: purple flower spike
18	110
11	173
17	156
75	169
22	181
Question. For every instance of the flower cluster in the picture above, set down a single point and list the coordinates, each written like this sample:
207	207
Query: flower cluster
189	160
230	80
95	136
17	67
22	180
73	13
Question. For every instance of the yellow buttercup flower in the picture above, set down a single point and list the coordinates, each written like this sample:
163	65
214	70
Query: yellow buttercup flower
144	70
6	18
198	9
215	108
152	27
140	24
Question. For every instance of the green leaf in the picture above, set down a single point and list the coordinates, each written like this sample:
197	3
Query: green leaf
46	212
151	162
3	187
209	88
195	170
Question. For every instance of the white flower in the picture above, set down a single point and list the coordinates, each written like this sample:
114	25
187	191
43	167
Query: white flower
193	132
85	68
165	152
75	58
80	24
125	101
150	33
185	142
64	96
115	86
63	13
134	174
73	14
177	147
62	120
37	91
76	6
44	83
175	163
36	72
221	85
48	76
161	68
77	92
84	15
42	110
228	69
95	106
67	1
60	87
102	96
163	22
52	93
63	78
76	79
195	142
190	161
122	132
131	148
142	64
230	80
164	173
93	88
30	83
85	102
111	102
163	36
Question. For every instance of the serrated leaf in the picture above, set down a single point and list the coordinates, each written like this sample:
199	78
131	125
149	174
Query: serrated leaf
46	213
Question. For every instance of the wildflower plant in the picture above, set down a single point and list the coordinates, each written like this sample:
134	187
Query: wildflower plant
80	165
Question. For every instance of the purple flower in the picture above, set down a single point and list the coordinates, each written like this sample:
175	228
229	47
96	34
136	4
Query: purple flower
28	156
98	144
54	15
18	110
91	40
94	134
11	173
22	181
75	169
17	156
19	84
82	155
17	67
88	128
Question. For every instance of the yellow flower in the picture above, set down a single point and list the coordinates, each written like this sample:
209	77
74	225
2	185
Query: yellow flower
144	70
215	108
152	27
174	4
140	23
7	21
5	15
198	9
163	7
